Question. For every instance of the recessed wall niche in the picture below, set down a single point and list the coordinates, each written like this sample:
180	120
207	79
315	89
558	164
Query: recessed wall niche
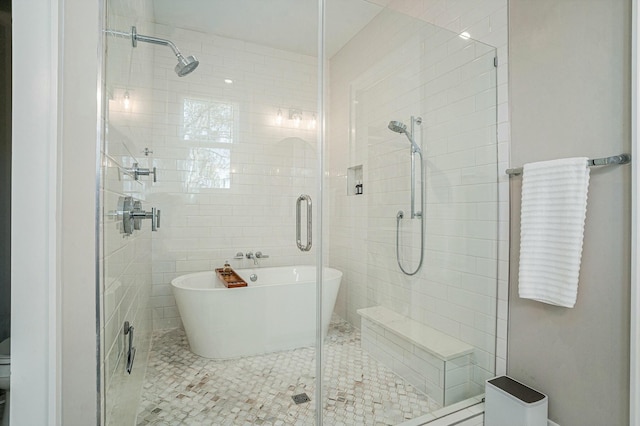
354	180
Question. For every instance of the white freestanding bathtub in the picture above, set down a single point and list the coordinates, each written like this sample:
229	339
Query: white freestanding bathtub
276	312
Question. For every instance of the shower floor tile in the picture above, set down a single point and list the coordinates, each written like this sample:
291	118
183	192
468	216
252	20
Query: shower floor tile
181	388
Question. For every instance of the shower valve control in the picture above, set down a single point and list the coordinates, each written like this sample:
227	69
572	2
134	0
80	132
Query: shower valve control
139	214
137	171
132	215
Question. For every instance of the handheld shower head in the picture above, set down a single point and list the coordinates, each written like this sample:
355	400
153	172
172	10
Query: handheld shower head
397	126
400	127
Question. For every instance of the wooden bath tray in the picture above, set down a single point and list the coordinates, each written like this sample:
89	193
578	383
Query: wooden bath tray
230	278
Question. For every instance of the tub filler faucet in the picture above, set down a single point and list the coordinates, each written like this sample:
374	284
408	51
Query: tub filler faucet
256	256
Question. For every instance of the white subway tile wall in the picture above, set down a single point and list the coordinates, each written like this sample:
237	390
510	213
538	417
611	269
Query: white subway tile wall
446	381
398	67
229	173
126	260
486	21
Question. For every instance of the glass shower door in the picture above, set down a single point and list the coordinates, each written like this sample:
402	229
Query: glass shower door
235	145
272	160
415	229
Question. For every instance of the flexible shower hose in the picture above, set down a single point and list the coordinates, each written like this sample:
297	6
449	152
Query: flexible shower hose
399	217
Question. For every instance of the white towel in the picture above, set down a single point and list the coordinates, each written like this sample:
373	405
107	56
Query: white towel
554	207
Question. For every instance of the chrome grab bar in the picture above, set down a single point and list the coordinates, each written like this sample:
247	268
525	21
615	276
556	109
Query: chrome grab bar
307	199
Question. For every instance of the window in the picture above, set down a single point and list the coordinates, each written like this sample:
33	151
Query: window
209	168
212	125
208	121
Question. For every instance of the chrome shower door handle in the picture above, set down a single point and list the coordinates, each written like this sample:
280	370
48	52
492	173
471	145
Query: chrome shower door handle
306	199
131	351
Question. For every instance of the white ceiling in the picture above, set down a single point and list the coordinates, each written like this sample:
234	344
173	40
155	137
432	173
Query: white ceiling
285	24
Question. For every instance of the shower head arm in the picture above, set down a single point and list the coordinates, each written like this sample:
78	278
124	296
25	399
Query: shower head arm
135	38
116	33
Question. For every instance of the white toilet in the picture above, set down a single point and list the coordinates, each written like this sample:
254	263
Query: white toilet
5	370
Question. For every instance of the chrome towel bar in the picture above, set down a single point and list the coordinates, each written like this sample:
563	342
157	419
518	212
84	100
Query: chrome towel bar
607	161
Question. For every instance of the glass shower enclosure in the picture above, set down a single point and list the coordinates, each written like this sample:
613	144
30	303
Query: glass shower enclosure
277	142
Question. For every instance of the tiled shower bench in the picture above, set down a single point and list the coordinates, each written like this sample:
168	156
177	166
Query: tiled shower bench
434	362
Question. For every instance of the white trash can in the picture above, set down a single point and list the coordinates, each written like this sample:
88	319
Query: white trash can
510	403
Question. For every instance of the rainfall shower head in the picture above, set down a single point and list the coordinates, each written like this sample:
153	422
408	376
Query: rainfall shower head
185	65
400	127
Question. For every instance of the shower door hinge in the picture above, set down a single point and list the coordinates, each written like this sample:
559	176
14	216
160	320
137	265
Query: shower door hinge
495	61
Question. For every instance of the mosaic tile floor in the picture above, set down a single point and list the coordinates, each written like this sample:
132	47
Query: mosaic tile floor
181	388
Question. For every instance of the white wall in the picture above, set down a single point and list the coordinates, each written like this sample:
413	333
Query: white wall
77	211
33	262
53	194
271	164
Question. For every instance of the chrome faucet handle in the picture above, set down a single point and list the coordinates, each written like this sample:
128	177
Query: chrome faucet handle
239	255
138	171
259	255
137	214
250	255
